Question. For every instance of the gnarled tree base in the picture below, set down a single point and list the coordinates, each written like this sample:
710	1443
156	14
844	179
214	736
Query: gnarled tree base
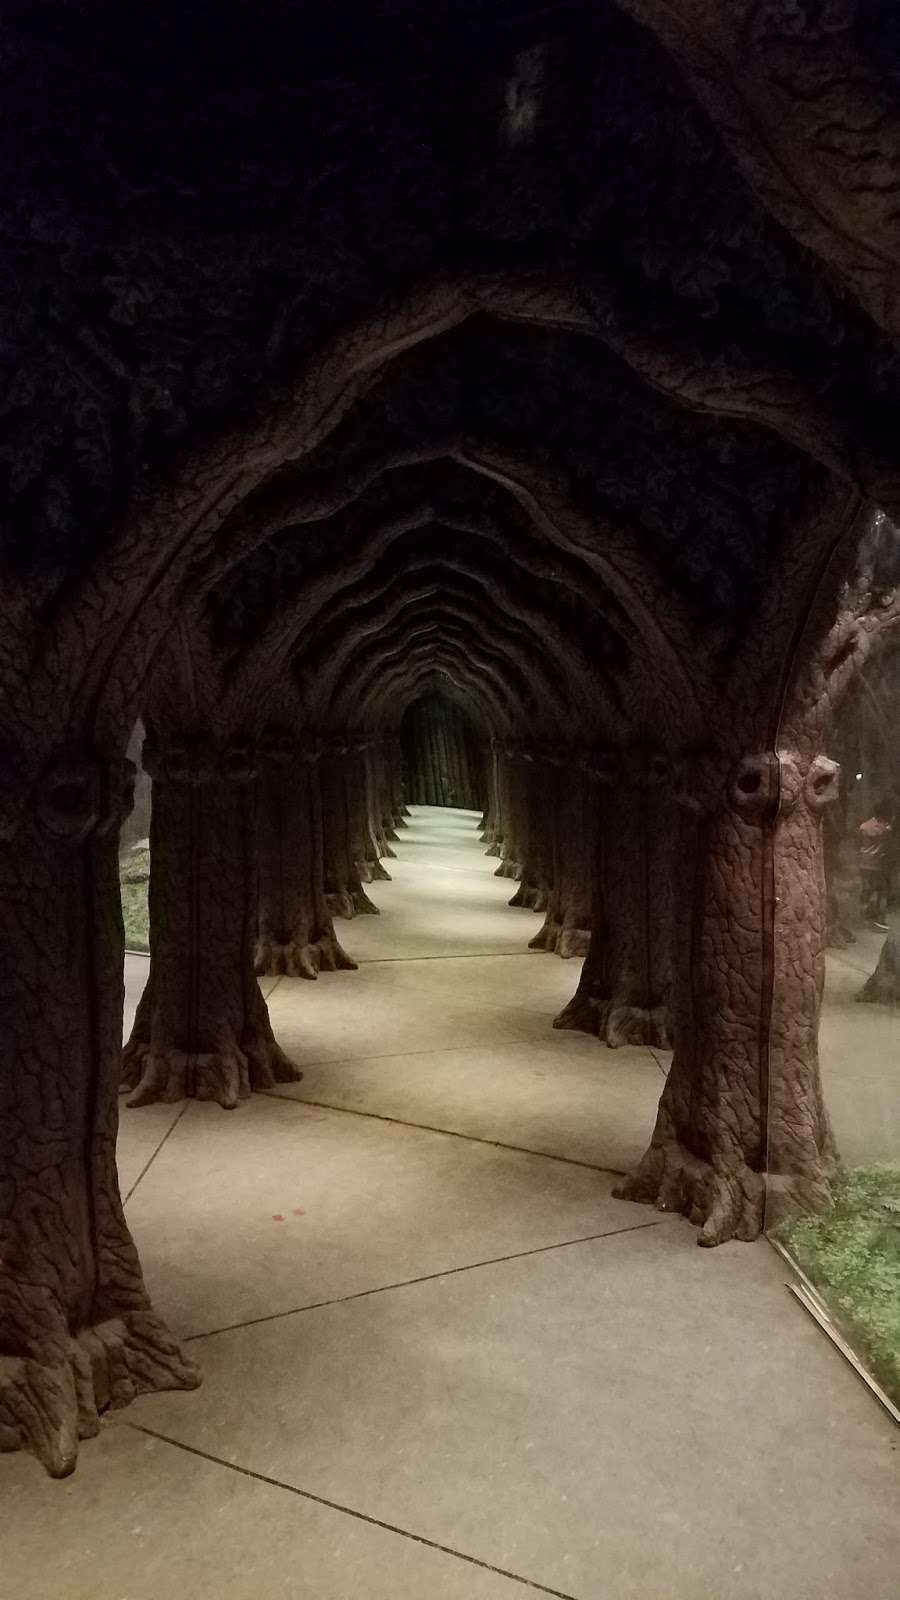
373	872
301	960
350	903
154	1072
725	1202
615	1022
508	869
529	897
47	1409
555	938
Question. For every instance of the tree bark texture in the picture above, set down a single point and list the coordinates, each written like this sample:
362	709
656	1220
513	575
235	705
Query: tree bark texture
497	838
295	933
344	890
533	788
743	1099
572	823
202	1027
491	829
368	844
443	766
77	1331
396	794
513	808
381	799
624	991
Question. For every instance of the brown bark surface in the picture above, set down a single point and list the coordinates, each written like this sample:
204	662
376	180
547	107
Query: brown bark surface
743	1100
202	1027
295	935
344	890
77	1331
742	1118
624	991
536	798
573	824
511	849
366	847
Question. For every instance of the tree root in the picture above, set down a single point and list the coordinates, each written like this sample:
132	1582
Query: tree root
529	897
508	869
725	1202
47	1409
372	872
556	938
616	1023
225	1077
495	849
349	903
299	960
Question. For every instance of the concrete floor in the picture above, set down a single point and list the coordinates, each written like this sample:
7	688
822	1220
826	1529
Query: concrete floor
440	1360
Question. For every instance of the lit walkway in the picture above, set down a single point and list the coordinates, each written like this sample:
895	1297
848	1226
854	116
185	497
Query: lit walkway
447	1365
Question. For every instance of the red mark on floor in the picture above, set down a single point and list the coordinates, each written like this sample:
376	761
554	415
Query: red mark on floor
278	1217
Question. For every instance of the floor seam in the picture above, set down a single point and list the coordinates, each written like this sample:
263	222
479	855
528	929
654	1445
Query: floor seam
426	1277
450	1133
350	1511
466	955
145	1169
445	1050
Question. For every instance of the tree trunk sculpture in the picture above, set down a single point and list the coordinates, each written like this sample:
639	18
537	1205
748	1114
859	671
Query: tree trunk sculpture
77	1331
512	803
623	995
366	847
742	1117
344	891
532	780
296	933
202	1027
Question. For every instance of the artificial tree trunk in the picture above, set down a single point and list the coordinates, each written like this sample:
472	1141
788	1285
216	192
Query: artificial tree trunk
295	933
399	810
742	1120
537	791
743	1100
381	808
572	819
497	836
623	993
77	1331
365	846
490	827
202	1027
511	788
344	891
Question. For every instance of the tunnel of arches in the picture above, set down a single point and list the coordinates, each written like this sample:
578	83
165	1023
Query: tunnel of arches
547	475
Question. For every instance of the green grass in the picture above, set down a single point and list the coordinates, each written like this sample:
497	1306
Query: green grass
851	1253
134	874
